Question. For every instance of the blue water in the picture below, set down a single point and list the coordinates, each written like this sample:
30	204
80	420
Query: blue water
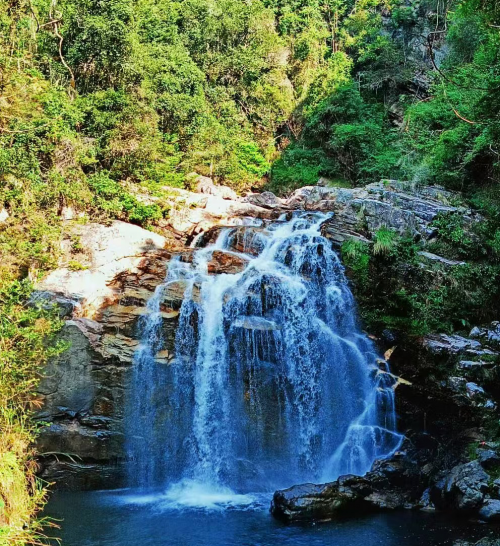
122	519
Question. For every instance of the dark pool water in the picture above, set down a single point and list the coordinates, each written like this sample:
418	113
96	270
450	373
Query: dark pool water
122	519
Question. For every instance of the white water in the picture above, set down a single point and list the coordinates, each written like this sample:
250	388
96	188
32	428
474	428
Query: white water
273	383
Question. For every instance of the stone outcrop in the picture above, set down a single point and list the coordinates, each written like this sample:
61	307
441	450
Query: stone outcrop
357	212
84	277
463	489
392	484
226	262
83	390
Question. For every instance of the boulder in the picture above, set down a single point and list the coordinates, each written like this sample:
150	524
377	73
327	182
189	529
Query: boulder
110	251
206	185
390	485
449	344
489	336
488	459
247	240
474	390
490	511
310	502
265	199
463	489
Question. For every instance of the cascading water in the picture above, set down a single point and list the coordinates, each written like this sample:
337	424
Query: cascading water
272	383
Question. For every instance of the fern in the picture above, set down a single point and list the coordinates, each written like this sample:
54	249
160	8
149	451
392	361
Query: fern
386	241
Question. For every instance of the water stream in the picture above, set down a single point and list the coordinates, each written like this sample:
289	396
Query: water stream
273	382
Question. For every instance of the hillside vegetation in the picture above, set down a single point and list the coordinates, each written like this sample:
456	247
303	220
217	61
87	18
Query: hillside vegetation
101	100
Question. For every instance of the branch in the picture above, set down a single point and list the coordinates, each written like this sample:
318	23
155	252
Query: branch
49	23
443	75
464	119
61	39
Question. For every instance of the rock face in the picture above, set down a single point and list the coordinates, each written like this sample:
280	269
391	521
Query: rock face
108	251
362	211
358	212
83	390
490	511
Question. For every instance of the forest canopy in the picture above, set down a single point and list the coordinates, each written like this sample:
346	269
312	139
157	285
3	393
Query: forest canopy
248	92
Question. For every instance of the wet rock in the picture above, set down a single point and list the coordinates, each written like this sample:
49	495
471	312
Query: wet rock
449	344
255	323
489	336
425	503
226	262
473	390
463	489
265	199
391	484
310	502
247	240
488	459
83	392
175	292
490	511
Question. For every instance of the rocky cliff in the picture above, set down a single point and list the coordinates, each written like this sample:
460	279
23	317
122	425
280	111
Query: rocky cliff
447	394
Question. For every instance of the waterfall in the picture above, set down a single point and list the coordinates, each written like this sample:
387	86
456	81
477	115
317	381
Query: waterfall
272	382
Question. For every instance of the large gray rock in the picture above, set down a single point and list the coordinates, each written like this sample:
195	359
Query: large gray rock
360	212
391	485
265	199
463	489
488	459
450	344
206	185
109	251
489	336
490	511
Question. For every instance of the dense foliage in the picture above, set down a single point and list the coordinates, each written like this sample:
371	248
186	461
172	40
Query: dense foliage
104	103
